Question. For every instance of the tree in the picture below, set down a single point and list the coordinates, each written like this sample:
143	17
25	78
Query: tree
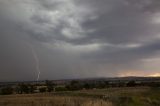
60	89
100	84
74	82
42	89
18	90
31	88
107	84
87	86
6	90
49	85
131	84
121	84
74	85
22	88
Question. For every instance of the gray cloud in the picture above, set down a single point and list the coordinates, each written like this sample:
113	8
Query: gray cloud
78	38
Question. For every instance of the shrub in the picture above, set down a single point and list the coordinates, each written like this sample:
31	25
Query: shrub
74	85
50	85
131	84
60	89
6	91
42	89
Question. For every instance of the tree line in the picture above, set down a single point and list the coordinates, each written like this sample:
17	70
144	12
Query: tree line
49	86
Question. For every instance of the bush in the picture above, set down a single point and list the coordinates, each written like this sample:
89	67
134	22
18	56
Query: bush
74	85
42	89
6	91
89	85
131	84
23	88
32	88
60	89
50	85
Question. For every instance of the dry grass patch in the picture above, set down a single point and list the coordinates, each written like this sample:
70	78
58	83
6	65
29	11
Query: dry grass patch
44	100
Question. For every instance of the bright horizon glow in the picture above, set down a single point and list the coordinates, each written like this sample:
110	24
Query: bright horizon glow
139	74
155	75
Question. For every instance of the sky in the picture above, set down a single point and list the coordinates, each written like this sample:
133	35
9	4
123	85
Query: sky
63	39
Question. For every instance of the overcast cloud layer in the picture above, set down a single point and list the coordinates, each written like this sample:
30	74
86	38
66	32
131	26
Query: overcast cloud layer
79	38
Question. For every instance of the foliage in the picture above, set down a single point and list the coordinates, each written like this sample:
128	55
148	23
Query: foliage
25	88
49	85
131	84
74	85
43	89
60	89
6	91
32	88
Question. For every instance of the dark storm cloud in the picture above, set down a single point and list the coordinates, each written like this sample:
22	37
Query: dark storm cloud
74	38
126	54
121	24
145	5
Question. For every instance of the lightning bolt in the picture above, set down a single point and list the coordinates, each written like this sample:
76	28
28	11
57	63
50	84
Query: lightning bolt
36	60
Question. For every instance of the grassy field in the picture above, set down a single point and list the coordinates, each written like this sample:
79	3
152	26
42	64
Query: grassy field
134	96
50	100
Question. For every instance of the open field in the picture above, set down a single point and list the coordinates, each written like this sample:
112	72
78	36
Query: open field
133	96
50	100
